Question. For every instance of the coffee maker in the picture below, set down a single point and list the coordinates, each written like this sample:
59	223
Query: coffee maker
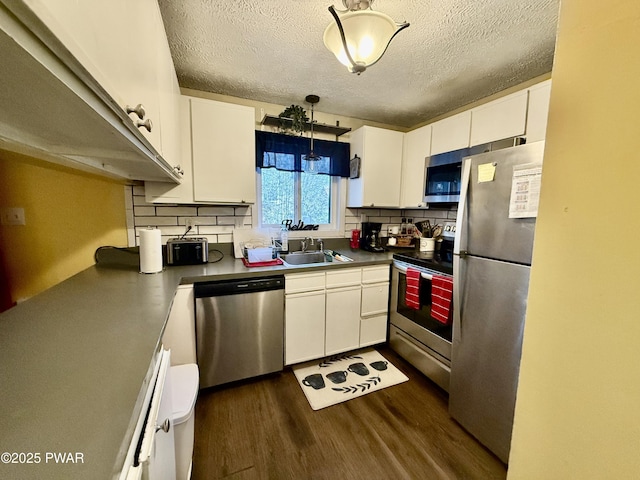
370	239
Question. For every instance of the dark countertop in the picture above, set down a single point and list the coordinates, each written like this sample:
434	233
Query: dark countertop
76	360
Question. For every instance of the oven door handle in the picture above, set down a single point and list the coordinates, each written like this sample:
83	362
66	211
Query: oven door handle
426	276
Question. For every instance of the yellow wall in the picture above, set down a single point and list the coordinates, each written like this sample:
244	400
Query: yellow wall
68	215
578	406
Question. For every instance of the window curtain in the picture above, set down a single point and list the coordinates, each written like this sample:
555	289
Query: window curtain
286	152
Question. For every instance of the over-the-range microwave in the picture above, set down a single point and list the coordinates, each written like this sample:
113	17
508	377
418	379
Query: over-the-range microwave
443	171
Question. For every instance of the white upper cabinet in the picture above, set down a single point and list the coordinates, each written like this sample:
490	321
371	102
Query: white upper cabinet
417	145
538	112
166	192
120	44
521	113
451	133
217	155
223	150
380	151
502	118
95	58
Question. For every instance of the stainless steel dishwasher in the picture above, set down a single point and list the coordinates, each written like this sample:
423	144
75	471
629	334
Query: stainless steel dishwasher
239	328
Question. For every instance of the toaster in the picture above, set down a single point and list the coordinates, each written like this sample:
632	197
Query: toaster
187	251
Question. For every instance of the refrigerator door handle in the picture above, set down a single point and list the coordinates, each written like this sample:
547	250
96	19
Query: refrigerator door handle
457	297
459	250
460	241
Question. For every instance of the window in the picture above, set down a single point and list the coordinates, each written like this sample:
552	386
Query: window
295	196
286	189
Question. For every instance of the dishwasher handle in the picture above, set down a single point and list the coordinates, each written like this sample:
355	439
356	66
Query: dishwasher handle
238	286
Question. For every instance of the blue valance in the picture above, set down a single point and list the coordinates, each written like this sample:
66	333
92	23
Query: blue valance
287	152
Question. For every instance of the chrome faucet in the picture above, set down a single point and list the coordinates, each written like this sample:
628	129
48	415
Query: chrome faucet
303	243
320	245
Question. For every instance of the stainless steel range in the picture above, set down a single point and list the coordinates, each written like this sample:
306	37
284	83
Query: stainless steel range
414	334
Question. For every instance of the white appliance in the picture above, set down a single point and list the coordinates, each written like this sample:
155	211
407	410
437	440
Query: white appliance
491	264
151	455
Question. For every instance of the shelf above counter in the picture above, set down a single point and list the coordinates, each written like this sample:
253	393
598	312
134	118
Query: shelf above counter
273	121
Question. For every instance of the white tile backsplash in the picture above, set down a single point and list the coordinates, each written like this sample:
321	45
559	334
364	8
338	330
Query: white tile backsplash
216	223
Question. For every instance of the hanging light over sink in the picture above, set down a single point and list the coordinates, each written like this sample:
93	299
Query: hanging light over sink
311	159
360	36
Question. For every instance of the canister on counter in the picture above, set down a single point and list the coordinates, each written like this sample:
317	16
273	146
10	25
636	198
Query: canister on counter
355	238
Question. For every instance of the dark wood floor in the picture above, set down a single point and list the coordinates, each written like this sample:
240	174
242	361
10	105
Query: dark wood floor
265	429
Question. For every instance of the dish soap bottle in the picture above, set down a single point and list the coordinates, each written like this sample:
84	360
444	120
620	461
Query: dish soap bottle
284	239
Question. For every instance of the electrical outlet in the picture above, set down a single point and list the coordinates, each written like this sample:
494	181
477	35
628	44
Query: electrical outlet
12	216
190	223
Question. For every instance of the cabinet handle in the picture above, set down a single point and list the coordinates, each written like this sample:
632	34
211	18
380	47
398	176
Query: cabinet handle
138	110
165	427
146	124
178	169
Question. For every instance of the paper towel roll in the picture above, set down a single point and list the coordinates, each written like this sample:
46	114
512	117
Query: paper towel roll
150	251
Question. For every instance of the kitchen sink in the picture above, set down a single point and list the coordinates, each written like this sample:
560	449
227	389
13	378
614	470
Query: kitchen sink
303	258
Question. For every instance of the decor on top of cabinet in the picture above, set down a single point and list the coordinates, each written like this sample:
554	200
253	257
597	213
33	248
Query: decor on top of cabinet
293	119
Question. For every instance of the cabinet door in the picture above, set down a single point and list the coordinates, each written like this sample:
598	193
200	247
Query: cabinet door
538	112
342	320
502	118
157	451
140	75
344	277
377	274
373	330
380	151
180	332
169	98
304	326
117	42
375	299
223	148
417	146
304	282
164	192
450	134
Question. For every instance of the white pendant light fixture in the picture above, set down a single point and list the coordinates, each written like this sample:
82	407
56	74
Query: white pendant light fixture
359	37
311	159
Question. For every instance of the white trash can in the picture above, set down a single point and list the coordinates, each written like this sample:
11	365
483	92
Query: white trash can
185	381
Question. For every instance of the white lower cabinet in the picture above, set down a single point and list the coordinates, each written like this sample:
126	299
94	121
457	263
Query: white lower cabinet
373	330
331	313
151	453
180	332
374	312
375	299
342	320
305	326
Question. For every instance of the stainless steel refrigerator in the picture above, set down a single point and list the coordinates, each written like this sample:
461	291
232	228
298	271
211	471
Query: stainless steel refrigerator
492	260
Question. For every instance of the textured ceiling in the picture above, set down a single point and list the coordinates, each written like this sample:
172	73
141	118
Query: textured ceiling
455	52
